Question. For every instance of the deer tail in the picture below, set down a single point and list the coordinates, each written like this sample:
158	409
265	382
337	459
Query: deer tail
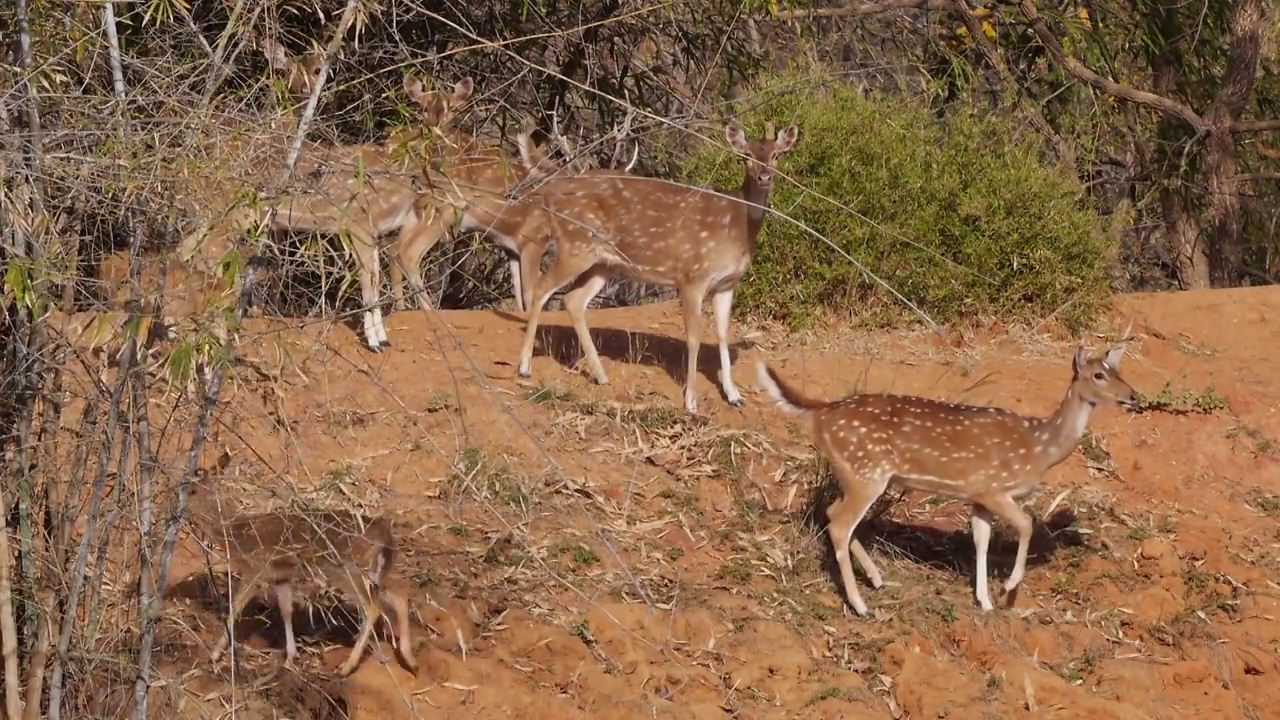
784	395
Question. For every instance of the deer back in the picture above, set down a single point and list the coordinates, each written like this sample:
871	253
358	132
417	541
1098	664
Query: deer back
325	548
931	445
661	232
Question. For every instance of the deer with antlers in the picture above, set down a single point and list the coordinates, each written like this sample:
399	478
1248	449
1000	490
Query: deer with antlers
698	240
986	456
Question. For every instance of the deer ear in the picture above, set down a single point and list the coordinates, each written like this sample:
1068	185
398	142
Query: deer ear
1114	356
786	139
462	91
275	54
737	138
413	88
531	153
1078	362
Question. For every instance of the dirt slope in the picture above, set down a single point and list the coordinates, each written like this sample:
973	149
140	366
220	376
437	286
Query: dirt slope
595	553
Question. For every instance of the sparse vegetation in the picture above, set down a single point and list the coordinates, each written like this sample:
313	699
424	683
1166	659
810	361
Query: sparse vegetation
1263	444
1205	402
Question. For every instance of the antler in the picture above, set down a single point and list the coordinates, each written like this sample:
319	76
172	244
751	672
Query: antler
770	132
570	152
620	134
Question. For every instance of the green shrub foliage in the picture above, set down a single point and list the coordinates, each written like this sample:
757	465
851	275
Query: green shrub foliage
963	218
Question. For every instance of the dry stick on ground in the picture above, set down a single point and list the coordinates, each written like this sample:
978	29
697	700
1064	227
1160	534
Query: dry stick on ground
698	240
986	456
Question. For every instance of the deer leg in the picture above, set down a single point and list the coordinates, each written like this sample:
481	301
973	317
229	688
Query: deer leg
981	522
576	302
691	302
567	268
284	601
366	252
396	273
403	639
722	304
238	601
371	615
416	243
1006	507
844	516
531	252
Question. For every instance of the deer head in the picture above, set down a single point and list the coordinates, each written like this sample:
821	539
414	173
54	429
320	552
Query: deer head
300	74
438	109
762	155
1097	379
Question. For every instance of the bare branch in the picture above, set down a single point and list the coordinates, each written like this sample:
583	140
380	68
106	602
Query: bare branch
113	45
8	629
864	9
1248	126
1080	71
1258	176
1066	153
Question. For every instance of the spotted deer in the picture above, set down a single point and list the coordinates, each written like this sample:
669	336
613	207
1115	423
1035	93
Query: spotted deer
698	240
361	192
986	456
469	191
290	556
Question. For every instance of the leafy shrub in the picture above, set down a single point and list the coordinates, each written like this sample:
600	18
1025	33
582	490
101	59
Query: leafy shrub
961	218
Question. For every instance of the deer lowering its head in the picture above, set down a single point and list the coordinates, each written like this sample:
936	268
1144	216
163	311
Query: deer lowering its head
292	556
984	455
468	192
700	241
359	191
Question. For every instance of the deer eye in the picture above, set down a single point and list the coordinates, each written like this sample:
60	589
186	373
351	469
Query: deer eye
1099	376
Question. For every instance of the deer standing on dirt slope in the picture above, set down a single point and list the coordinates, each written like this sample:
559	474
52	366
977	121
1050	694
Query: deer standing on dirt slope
293	556
362	192
468	192
698	240
984	455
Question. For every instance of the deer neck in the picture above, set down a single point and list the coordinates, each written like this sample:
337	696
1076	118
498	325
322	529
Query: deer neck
757	197
1061	432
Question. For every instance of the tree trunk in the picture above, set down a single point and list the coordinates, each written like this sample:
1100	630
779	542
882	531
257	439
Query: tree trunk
1184	239
1221	172
1222	210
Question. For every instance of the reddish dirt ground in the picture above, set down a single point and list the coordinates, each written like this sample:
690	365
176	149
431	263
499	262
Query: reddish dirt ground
584	551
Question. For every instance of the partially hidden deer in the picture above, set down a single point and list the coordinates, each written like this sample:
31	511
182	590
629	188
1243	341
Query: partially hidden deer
986	456
698	240
361	192
286	557
241	155
469	191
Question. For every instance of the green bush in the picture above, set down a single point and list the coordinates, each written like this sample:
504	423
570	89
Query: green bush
963	220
